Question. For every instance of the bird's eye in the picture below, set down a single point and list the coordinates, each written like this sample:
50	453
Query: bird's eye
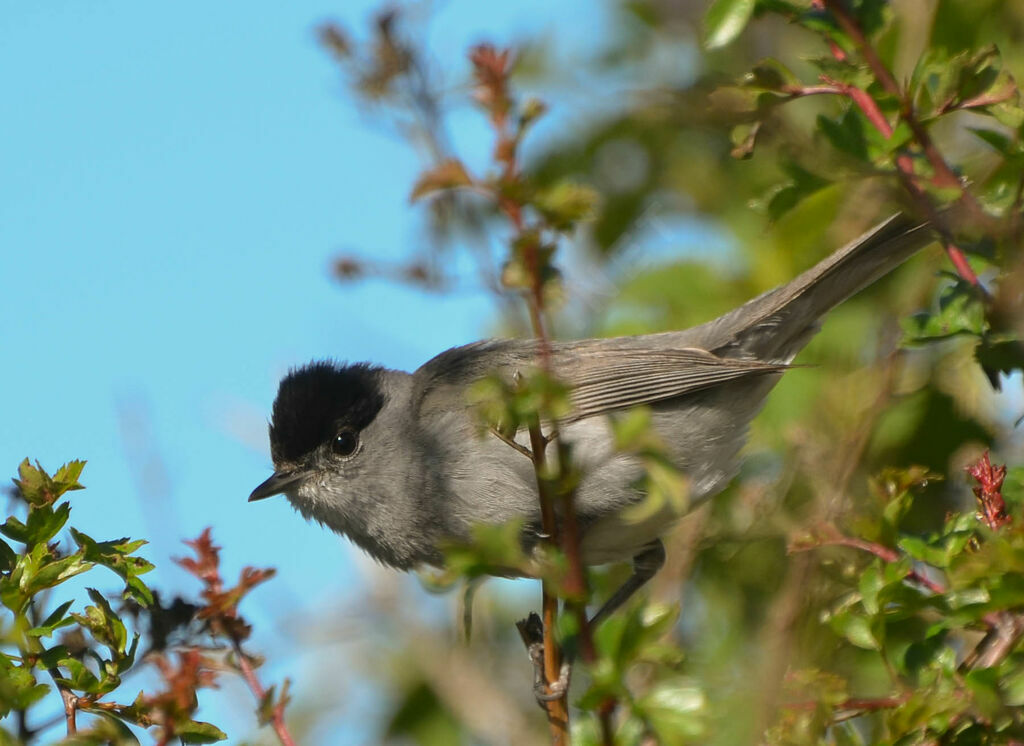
345	443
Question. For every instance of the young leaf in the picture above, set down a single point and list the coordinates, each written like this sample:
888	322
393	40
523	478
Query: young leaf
44	523
55	620
196	731
117	556
37	488
725	20
80	678
55	571
565	204
676	711
7	556
449	174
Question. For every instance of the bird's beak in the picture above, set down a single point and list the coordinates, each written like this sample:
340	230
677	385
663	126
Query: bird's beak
279	482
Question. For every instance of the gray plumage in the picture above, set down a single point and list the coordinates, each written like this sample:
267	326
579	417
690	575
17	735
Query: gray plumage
419	471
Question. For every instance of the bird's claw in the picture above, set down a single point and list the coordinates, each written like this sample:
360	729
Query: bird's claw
532	632
545	692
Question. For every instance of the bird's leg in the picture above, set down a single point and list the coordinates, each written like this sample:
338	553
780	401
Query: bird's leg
645	565
531	630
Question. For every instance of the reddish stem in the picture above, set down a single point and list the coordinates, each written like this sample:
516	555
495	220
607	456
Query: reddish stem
70	708
277	714
943	175
884	553
855	703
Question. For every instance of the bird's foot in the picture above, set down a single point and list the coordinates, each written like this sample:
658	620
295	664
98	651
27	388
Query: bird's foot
531	630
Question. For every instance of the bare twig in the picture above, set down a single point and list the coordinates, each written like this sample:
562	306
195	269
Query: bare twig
998	642
512	443
253	682
832	537
221	614
68	697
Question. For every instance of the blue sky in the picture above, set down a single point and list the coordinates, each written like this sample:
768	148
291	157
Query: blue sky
174	180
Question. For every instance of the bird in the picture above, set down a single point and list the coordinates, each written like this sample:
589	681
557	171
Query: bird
396	461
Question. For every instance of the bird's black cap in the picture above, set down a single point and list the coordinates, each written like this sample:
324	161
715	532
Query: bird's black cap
315	400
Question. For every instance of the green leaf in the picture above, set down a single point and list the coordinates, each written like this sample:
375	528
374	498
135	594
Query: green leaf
114	729
782	198
55	620
984	685
960	312
104	624
42	524
999	356
725	20
856	629
491	549
14	529
116	556
1013	686
67	476
195	731
771	75
850	70
871	582
632	430
846	134
967	597
565	204
676	710
37	488
999	141
51	657
923	551
80	678
870	15
18	688
54	572
7	556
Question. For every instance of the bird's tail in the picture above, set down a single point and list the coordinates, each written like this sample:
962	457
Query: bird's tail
775	325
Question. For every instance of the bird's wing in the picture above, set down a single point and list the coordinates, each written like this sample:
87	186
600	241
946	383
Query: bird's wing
603	375
617	378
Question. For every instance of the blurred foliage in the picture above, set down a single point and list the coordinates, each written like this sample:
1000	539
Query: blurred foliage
785	129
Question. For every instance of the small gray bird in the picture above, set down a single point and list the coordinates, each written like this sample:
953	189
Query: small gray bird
395	460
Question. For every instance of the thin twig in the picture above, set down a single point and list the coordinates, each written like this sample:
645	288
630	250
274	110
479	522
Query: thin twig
277	709
858	705
68	697
557	708
943	177
558	518
998	642
511	442
886	554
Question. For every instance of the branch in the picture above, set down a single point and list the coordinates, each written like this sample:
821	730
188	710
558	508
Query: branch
998	642
854	706
223	619
944	177
512	443
277	710
886	554
68	697
491	69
